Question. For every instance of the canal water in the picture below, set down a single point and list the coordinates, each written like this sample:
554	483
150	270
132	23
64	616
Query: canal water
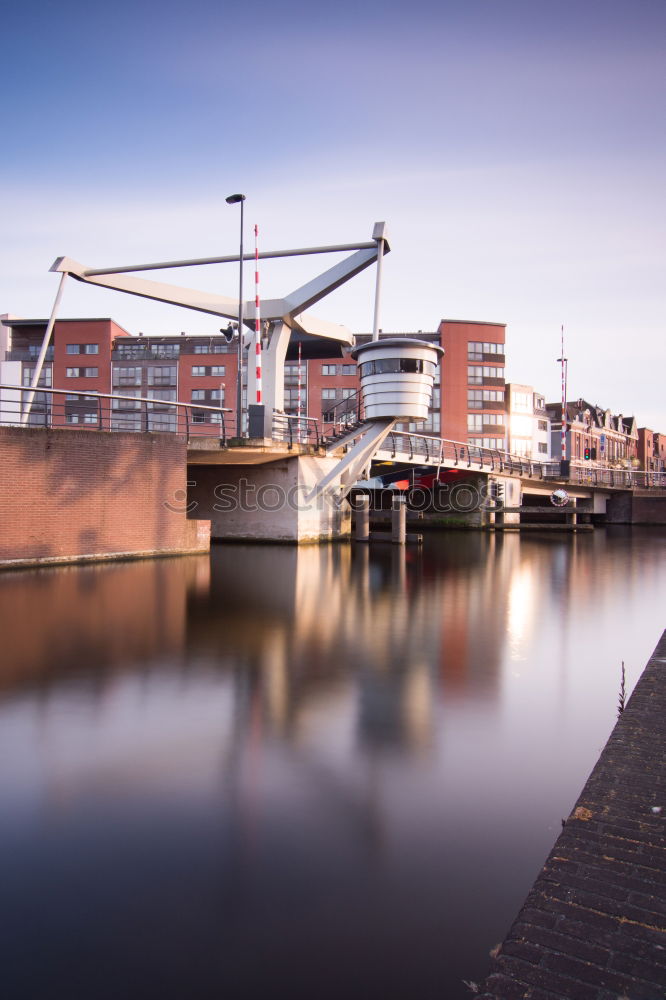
331	772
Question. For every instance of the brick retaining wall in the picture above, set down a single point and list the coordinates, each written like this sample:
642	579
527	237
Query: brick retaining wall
68	495
594	924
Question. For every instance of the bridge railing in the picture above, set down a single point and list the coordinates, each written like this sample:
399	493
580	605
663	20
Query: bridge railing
62	408
295	430
340	416
586	475
437	451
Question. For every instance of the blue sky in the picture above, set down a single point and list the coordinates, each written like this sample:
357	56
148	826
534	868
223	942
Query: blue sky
515	149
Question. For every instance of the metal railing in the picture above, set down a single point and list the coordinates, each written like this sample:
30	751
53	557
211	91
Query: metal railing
342	415
437	451
295	430
64	409
587	475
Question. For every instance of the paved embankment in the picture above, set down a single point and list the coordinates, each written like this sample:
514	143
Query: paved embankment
594	924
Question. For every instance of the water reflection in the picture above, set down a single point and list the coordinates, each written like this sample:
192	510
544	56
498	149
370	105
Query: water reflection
301	772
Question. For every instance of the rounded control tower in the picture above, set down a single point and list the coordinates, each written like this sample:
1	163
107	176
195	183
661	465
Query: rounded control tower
397	377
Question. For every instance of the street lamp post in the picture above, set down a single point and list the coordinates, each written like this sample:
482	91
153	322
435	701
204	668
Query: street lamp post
234	199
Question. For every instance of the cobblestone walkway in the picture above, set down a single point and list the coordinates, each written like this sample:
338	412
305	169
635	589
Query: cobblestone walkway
594	924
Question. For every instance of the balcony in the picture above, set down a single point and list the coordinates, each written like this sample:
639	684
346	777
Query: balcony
23	355
139	352
492	381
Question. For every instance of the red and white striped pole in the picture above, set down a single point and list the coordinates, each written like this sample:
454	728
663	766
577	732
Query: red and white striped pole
257	317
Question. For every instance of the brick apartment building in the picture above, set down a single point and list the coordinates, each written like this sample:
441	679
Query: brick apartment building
468	403
99	356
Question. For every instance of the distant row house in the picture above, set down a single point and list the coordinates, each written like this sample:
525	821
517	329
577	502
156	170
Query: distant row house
594	434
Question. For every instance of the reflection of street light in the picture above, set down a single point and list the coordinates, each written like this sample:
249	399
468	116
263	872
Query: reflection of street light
234	199
563	450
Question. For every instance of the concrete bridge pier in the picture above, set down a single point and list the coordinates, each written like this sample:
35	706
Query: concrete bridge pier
266	501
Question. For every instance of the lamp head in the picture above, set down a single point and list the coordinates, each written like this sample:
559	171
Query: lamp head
233	199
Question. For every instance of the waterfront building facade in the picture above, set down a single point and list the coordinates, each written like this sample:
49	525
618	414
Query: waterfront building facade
594	435
528	423
471	402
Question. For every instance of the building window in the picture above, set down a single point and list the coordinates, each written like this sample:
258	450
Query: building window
474	421
90	372
474	375
476	349
329	369
218	370
477	397
542	425
521	401
166	395
198	370
349	369
434	405
198	395
487	442
162	374
164	350
328	393
403	365
83	348
491	372
543	448
82	372
127	376
45	377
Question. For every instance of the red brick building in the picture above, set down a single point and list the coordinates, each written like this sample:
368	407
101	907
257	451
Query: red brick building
99	356
473	382
651	450
77	361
